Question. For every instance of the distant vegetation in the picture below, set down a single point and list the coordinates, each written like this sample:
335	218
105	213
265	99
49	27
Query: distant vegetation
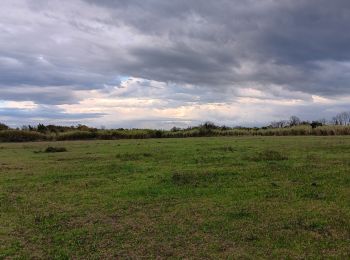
338	125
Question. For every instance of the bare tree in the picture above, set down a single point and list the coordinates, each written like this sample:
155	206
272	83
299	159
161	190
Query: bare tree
335	120
323	121
345	116
341	119
279	124
294	120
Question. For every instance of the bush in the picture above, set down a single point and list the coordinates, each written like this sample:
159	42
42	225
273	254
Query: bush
21	136
3	127
42	128
315	124
209	125
51	149
158	134
77	135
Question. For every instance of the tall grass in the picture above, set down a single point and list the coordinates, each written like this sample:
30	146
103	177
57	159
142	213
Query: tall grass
26	136
21	136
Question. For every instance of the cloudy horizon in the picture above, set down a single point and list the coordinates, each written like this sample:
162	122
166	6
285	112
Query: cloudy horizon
158	64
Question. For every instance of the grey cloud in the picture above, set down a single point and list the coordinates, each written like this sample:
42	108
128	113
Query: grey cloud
284	39
45	112
49	50
196	43
39	95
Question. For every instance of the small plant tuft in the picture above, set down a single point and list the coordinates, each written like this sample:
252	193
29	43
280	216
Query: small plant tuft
180	178
195	178
269	155
132	156
225	149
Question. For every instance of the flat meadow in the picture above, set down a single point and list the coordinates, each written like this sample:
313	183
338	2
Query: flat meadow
206	197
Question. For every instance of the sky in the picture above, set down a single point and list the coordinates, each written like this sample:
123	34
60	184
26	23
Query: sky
158	64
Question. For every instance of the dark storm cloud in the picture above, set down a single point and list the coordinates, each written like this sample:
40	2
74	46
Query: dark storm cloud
304	31
42	70
180	65
289	42
51	49
39	95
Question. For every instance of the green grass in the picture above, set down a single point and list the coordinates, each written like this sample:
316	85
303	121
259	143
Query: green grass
241	197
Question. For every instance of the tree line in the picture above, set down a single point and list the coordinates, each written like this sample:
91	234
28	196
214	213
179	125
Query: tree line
338	125
342	119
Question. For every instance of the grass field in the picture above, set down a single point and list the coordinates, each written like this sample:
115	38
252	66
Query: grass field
240	197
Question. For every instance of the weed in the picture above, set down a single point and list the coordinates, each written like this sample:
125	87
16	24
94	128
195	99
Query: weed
132	156
269	155
225	149
240	214
194	178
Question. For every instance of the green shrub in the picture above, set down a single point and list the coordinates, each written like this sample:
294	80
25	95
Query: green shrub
3	127
52	149
77	135
21	136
